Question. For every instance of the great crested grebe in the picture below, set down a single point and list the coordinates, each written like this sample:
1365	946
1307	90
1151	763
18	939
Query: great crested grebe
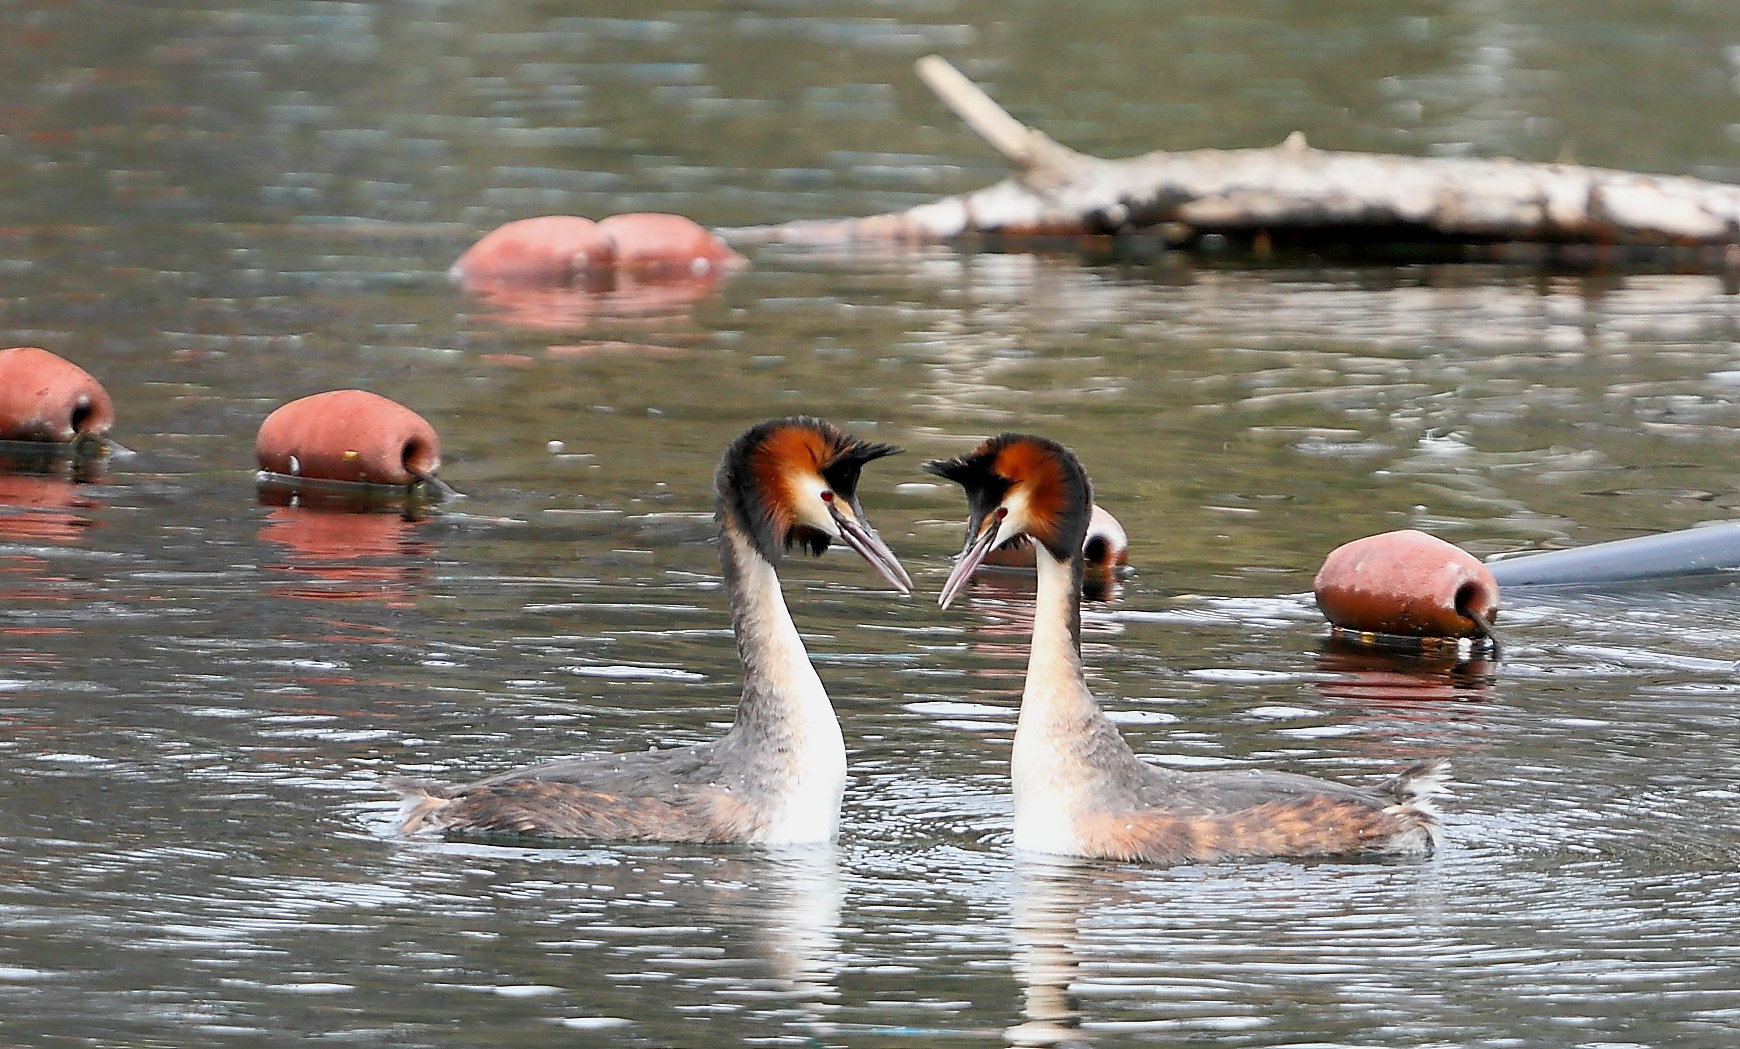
1079	789
776	777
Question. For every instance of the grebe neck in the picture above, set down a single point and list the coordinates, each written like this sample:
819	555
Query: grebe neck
1068	758
786	738
1056	684
780	686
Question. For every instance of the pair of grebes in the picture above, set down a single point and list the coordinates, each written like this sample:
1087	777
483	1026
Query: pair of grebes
778	775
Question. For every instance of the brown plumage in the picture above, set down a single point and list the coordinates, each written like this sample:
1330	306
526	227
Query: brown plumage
777	775
597	799
1079	789
1190	824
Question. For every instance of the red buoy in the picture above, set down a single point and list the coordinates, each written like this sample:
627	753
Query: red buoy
656	246
549	250
48	398
348	435
1107	547
1407	583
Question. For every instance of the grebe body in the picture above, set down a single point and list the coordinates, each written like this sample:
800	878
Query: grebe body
1079	788
777	776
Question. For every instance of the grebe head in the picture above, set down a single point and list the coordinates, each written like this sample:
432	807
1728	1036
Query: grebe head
1017	484
794	482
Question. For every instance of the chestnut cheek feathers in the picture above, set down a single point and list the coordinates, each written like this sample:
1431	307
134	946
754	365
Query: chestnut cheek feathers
44	397
1406	583
348	435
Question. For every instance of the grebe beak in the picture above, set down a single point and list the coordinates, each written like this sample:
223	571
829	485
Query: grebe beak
973	554
856	533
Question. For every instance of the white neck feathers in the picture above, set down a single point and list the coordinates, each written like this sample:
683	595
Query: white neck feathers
1059	717
785	711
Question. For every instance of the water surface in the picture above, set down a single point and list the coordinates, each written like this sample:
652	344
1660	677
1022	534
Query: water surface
218	209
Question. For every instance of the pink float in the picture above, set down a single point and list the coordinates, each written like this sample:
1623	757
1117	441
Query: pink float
349	435
561	251
44	397
656	246
1407	583
550	250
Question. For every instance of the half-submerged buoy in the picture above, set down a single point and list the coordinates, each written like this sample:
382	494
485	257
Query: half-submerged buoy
566	250
552	250
1106	548
1407	583
350	435
656	246
44	397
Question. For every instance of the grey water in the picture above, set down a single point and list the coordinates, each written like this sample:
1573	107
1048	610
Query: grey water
215	209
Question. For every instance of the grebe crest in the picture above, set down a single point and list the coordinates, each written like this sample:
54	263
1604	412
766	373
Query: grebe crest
1079	789
777	776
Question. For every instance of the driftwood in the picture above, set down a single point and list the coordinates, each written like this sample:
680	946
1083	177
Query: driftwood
1291	193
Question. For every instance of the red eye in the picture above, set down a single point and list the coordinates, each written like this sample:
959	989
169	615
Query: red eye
827	496
1002	512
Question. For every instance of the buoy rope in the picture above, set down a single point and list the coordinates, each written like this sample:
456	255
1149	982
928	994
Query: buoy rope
1486	628
440	487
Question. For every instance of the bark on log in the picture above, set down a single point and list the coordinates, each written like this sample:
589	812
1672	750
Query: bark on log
1290	190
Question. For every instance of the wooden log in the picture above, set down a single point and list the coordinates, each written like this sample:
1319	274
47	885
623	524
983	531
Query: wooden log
1267	194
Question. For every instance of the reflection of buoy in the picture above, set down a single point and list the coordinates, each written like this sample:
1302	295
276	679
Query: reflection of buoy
562	309
1374	677
1407	583
549	250
44	397
655	246
323	537
42	509
349	435
355	556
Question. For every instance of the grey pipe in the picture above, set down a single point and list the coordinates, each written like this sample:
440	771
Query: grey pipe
1691	551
